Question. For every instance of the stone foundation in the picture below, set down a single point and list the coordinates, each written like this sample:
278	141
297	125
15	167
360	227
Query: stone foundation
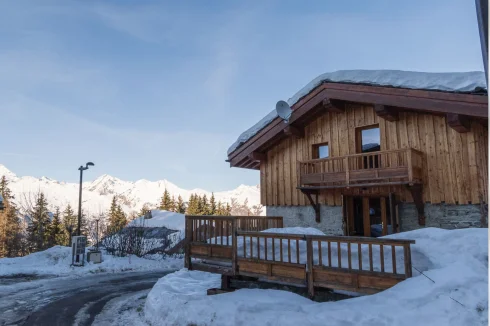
304	216
437	215
440	216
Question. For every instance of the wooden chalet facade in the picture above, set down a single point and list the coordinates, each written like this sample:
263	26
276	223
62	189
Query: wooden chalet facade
356	156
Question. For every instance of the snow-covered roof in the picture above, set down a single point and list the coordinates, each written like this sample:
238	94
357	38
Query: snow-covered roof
457	82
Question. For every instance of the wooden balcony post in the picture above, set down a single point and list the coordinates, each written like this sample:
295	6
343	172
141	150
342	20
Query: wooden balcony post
410	165
347	176
188	239
309	267
408	260
234	253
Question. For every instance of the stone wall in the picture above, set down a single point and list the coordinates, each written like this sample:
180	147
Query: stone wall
440	215
304	216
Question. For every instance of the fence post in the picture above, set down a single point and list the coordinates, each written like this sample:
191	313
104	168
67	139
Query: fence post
309	267
408	260
234	253
188	239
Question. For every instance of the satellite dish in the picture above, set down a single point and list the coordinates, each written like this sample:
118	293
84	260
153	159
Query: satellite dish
283	110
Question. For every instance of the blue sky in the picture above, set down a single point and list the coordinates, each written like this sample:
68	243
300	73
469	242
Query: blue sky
154	89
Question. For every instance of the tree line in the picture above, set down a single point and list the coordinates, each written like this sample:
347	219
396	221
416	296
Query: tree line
30	225
197	205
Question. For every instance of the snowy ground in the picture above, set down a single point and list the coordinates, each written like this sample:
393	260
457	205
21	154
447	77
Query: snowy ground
101	299
57	260
452	291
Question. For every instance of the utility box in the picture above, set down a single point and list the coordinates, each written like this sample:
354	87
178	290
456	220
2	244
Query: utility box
78	244
94	257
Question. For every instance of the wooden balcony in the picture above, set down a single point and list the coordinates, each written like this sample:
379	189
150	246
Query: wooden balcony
393	167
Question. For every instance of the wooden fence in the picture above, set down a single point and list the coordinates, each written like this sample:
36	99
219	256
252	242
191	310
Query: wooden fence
359	264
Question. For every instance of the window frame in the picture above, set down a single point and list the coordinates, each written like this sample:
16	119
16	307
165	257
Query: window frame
359	131
316	150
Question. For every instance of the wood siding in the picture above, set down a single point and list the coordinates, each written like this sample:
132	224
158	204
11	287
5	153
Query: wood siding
456	163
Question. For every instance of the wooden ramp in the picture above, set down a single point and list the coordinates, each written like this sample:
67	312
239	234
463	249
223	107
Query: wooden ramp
226	246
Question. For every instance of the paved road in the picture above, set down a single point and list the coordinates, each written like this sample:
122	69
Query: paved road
73	301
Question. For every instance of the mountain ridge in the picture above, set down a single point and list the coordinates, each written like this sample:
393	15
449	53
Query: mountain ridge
97	195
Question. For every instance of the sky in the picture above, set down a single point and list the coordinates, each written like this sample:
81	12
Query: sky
160	89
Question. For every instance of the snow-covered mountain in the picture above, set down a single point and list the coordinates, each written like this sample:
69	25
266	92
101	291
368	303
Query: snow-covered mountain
97	195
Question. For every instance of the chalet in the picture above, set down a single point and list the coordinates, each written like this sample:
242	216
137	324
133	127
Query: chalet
369	153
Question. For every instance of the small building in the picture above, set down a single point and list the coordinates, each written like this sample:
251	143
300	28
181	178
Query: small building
370	153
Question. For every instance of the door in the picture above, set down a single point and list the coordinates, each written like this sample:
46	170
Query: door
368	216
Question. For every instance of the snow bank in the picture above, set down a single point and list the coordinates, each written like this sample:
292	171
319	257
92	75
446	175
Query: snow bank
456	261
448	82
161	218
57	261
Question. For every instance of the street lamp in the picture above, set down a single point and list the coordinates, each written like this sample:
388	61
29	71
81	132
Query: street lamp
81	169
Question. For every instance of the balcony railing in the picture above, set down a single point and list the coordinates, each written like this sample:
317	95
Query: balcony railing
401	166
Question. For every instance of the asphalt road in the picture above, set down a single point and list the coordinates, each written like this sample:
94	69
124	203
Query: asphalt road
70	301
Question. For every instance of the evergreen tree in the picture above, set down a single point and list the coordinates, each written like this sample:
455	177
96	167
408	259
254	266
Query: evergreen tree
39	224
199	205
227	211
117	217
193	206
166	201
69	224
173	204
180	206
212	205
10	227
56	232
121	218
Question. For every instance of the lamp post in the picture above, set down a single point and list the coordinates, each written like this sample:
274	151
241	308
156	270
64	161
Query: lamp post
81	169
97	234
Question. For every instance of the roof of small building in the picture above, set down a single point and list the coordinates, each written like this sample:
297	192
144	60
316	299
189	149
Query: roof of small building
454	82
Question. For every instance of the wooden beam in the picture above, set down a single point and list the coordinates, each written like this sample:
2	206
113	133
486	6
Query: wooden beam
333	105
386	112
314	203
458	122
257	156
366	217
295	132
416	191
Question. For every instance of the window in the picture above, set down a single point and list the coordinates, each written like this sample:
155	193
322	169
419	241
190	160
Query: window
321	151
368	140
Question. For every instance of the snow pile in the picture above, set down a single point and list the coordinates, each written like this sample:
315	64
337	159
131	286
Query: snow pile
456	261
57	261
161	218
448	82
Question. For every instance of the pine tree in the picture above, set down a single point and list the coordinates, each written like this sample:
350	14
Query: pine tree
199	205
39	224
193	206
117	217
227	211
69	224
173	204
56	232
10	227
121	218
166	201
212	205
180	206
